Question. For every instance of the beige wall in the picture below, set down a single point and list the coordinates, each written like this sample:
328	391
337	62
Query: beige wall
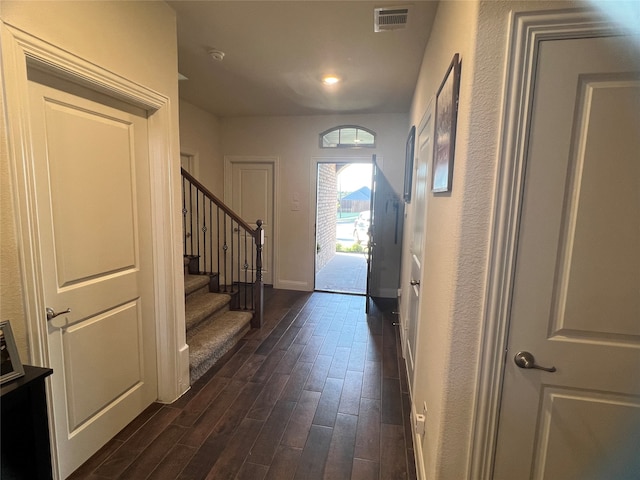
134	39
11	299
459	224
200	136
295	141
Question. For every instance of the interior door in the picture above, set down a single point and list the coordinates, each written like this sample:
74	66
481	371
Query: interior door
576	300
252	199
424	155
93	213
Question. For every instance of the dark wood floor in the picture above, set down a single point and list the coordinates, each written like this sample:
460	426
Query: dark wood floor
318	393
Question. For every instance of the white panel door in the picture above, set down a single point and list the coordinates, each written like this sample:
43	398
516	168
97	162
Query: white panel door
576	298
93	212
252	199
424	142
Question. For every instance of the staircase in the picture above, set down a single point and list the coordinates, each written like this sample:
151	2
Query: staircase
223	275
212	328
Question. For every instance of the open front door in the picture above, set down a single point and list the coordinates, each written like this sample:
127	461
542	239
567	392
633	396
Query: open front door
371	244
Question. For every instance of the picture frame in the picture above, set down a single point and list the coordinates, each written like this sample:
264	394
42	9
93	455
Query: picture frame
10	365
408	164
445	128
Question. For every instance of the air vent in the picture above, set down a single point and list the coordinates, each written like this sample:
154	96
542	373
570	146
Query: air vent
390	18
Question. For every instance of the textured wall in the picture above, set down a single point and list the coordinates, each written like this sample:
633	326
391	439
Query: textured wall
11	299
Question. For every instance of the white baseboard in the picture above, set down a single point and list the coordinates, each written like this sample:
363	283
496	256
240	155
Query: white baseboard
293	285
183	359
417	447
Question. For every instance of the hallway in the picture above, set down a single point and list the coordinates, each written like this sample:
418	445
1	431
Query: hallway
319	392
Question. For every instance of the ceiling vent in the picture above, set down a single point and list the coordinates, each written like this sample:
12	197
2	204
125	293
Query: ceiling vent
390	18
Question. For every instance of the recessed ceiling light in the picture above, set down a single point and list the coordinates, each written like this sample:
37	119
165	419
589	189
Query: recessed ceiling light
330	79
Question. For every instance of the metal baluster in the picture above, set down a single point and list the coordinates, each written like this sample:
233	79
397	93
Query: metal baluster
253	271
246	272
211	237
225	249
232	257
198	227
184	217
258	299
204	234
218	242
191	216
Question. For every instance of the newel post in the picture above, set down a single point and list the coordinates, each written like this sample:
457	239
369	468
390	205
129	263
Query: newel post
258	287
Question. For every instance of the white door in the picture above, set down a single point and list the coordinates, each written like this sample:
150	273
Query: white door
424	148
93	214
252	198
576	297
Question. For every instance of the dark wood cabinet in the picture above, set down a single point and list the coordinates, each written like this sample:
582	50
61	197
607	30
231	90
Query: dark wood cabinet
26	452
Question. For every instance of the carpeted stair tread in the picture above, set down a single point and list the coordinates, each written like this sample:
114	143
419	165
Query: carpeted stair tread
212	340
193	283
200	307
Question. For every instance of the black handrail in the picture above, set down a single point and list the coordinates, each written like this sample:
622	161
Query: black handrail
224	246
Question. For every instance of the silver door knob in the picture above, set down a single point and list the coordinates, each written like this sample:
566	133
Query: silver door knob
526	360
414	282
51	313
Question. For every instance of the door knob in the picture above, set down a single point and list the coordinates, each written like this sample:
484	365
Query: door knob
414	282
526	360
51	313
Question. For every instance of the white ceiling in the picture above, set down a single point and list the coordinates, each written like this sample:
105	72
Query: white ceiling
277	51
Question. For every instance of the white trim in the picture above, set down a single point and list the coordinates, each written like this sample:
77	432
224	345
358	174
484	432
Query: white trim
193	155
294	285
421	472
21	51
527	31
229	160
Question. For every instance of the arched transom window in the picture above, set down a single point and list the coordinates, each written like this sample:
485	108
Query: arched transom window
348	136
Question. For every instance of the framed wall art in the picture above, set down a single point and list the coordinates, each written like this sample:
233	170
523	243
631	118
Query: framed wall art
445	128
408	164
10	365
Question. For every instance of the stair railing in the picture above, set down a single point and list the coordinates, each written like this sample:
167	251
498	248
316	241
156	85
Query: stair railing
217	242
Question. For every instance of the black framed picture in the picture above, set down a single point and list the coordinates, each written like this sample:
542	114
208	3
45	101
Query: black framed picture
445	128
408	164
10	365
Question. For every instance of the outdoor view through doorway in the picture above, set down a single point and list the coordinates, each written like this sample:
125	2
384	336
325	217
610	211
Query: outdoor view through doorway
342	227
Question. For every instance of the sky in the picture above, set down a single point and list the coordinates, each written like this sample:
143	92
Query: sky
354	176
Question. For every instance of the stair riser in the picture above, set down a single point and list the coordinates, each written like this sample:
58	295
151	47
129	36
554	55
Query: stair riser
199	291
193	328
200	366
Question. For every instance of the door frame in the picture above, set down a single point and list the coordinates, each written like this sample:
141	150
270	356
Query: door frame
229	160
193	155
22	51
528	29
313	200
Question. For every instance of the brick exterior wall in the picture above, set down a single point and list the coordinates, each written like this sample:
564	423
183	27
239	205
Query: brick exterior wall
327	214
